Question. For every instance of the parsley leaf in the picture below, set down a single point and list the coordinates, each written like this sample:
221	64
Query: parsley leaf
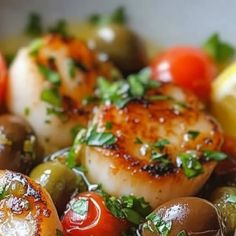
118	16
138	141
219	50
80	207
231	199
160	144
60	28
213	155
51	96
108	125
192	134
35	46
191	165
123	91
128	207
71	68
182	233
50	75
94	138
34	25
156	224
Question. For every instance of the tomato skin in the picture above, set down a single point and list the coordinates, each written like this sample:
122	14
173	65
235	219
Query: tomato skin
98	221
188	67
3	80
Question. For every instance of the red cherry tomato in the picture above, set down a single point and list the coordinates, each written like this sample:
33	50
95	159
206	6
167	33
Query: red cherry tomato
96	221
187	67
3	80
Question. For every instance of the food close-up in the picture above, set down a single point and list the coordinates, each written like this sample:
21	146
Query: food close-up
104	132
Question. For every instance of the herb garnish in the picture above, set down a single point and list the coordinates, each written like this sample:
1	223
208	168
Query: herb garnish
128	207
156	224
60	28
108	125
90	137
214	155
35	46
27	111
160	144
71	68
231	199
80	207
118	16
182	233
2	191
121	92
51	96
50	75
190	164
219	50
192	134
138	141
34	25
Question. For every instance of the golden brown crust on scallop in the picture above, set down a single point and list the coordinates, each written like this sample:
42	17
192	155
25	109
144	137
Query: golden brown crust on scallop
137	127
25	207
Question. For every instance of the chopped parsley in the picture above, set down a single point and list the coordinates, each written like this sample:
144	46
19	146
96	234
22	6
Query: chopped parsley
94	138
190	164
80	207
90	137
156	224
138	141
214	155
4	140
2	191
34	25
29	144
192	134
27	111
219	50
182	233
71	68
129	207
60	27
160	144
121	92
74	130
231	199
35	46
51	96
52	76
118	16
108	125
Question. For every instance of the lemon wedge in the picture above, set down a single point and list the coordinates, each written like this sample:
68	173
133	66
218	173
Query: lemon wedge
224	99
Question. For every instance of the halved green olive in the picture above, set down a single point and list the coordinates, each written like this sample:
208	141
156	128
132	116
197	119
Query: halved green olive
19	150
122	46
58	180
184	216
224	199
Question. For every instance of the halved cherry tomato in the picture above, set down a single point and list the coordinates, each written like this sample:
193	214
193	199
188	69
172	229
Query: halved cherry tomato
87	215
3	80
188	67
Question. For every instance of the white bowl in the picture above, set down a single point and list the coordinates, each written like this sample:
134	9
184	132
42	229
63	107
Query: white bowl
165	22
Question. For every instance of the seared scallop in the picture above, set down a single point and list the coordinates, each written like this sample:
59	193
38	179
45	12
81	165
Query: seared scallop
49	81
159	147
26	209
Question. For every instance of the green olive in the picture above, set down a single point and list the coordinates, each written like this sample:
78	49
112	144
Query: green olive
123	47
19	150
58	180
224	199
189	215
